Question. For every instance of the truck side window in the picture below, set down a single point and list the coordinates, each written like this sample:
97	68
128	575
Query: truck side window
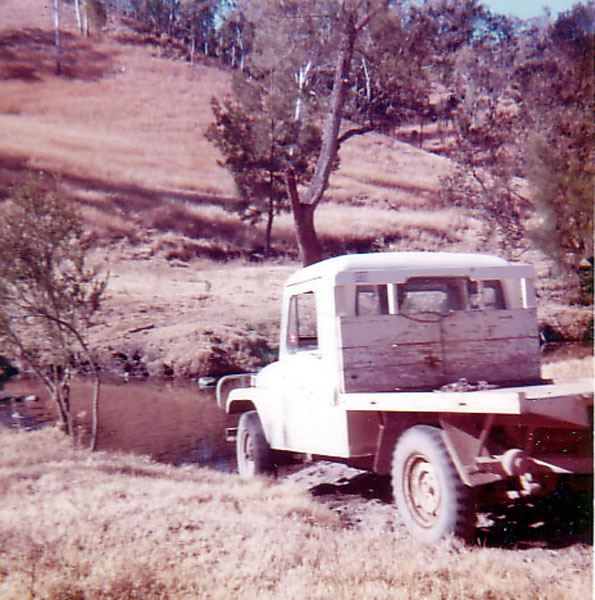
432	294
486	295
371	300
301	329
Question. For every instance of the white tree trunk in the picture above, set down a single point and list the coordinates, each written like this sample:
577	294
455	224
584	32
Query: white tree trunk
301	79
77	11
56	4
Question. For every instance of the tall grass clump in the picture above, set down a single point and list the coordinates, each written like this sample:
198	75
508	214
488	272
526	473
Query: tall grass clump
75	524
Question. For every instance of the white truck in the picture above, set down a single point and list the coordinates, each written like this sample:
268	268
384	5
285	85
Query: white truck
422	366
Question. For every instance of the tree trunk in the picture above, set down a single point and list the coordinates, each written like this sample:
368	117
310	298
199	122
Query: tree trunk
95	409
303	218
60	390
85	19
57	35
329	146
269	227
303	211
77	11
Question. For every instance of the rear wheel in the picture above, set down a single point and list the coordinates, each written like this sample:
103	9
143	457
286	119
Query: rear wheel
253	453
431	499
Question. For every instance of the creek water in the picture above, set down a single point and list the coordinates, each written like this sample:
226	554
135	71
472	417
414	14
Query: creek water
175	423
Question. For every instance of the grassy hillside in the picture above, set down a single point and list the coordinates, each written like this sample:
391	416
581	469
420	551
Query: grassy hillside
81	525
123	126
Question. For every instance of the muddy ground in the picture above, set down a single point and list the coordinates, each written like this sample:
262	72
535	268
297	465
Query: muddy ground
364	501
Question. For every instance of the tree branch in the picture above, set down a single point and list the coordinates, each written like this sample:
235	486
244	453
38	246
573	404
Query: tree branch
81	341
353	132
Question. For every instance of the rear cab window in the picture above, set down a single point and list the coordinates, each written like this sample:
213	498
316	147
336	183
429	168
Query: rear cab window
429	294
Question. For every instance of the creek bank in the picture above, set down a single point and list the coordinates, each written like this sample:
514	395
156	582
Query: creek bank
164	320
225	349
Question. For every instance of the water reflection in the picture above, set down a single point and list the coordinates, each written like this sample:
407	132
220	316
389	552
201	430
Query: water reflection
172	423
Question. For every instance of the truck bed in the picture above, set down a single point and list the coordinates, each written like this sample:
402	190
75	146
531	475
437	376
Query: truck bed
561	401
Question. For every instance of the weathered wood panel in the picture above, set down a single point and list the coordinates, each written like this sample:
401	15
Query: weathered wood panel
490	324
392	351
495	361
373	331
425	327
391	378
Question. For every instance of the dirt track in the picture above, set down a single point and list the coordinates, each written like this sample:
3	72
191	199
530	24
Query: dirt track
364	501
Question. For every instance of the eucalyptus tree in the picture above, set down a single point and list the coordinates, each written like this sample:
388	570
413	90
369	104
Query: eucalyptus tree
196	23
525	103
328	59
490	132
260	140
554	74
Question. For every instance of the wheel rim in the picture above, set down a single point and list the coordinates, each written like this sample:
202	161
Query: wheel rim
422	490
247	453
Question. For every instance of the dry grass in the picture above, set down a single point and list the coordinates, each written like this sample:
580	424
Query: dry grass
569	369
125	125
80	525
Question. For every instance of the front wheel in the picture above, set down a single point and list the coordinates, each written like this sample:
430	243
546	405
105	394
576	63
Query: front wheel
431	499
252	449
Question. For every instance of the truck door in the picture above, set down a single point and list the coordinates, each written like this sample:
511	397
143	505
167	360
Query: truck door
312	421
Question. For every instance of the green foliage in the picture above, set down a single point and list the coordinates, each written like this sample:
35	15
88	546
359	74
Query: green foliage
259	141
490	128
526	111
559	91
47	294
196	22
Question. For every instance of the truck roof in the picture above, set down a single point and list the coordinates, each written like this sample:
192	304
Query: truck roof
406	263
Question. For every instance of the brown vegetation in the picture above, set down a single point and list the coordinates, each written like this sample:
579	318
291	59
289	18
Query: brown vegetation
123	127
80	525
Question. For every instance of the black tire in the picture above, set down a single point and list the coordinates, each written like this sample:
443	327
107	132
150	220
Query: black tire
432	501
252	450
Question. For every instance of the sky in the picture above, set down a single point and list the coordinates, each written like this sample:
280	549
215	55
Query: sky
526	9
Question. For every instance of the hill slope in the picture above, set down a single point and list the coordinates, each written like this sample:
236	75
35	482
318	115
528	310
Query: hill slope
123	129
123	126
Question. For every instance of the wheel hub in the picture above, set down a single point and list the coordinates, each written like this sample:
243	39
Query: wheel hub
422	490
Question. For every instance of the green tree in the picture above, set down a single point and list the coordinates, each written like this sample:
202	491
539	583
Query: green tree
196	24
558	88
260	142
305	50
48	296
490	129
